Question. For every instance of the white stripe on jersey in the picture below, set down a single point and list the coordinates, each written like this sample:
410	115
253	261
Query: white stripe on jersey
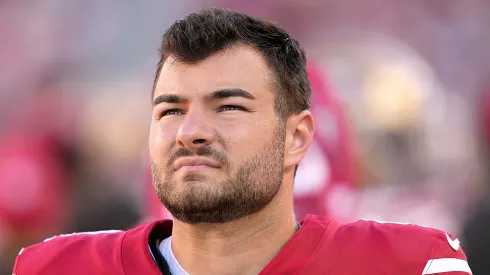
436	266
83	233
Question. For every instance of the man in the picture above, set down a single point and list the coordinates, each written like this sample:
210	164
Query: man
230	124
327	171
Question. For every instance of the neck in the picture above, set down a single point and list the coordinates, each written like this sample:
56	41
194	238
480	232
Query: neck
247	244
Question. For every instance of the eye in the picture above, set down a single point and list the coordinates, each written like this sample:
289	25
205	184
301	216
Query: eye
172	112
231	108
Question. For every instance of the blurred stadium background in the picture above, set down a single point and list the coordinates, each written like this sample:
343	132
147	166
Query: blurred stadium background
401	99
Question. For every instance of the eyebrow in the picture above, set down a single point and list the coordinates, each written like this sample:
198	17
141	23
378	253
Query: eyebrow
168	98
219	94
227	93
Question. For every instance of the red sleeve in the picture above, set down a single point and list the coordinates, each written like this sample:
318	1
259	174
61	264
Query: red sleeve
16	265
446	257
75	254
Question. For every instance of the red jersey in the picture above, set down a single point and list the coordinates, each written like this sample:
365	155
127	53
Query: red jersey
321	246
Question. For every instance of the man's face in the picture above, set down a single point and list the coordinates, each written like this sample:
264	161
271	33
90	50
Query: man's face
216	144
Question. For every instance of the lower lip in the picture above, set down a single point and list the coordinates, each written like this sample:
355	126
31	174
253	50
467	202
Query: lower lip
196	167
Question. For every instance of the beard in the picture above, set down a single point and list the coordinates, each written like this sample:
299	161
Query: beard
252	187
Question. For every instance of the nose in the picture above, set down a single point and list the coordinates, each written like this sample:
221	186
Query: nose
195	130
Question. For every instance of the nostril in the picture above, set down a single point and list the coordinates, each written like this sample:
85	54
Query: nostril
199	141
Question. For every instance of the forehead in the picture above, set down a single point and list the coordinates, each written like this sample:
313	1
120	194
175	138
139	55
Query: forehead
236	67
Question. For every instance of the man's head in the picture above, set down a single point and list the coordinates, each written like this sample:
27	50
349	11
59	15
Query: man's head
230	118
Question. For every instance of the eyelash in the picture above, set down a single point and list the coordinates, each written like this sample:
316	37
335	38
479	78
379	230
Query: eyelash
168	112
232	107
220	109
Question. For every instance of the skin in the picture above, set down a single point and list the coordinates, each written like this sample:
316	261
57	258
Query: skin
251	157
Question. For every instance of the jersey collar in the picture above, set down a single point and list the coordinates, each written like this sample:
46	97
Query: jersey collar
137	259
300	248
135	253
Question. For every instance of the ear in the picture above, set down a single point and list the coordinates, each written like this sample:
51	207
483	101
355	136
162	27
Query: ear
299	135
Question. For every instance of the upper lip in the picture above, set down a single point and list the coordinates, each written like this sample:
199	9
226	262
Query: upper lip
194	161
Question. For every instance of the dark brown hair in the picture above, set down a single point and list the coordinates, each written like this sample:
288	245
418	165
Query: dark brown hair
206	32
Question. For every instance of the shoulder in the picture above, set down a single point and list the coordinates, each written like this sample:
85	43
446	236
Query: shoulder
402	231
431	250
78	253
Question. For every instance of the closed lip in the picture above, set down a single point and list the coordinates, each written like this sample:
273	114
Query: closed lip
195	161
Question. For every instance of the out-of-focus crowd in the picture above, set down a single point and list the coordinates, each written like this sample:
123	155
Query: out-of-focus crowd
401	97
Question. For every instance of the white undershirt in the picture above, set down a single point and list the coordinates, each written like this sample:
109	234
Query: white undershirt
165	248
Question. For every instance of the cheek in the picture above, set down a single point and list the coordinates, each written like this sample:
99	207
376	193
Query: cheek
160	140
244	139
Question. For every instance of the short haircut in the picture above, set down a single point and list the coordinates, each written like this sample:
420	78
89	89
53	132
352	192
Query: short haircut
207	32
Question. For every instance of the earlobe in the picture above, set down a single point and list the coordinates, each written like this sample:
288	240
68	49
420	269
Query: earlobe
299	135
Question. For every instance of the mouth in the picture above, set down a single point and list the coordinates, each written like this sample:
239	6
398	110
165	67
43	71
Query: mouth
195	163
